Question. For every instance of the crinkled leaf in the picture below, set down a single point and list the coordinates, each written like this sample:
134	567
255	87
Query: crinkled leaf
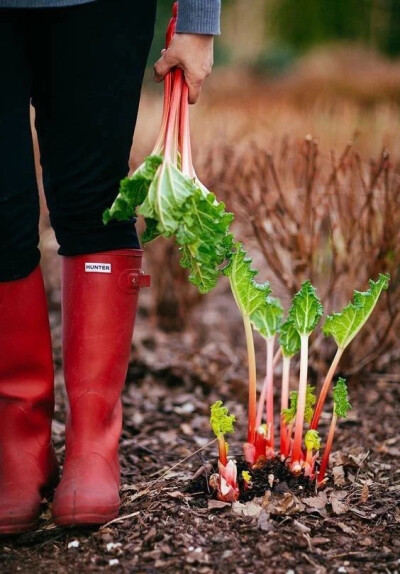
306	309
167	194
345	325
248	294
289	339
267	319
133	190
204	239
310	402
151	232
312	440
289	414
220	419
341	398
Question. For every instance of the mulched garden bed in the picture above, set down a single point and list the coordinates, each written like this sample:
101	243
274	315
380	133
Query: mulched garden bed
168	524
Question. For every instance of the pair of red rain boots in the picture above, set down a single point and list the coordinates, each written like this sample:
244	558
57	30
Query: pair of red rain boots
99	300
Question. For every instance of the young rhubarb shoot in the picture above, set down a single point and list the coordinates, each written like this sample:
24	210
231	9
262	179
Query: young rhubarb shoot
305	312
340	409
313	444
267	320
249	297
344	326
289	414
289	341
222	423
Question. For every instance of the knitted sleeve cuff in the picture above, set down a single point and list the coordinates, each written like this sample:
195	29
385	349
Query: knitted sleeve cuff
199	17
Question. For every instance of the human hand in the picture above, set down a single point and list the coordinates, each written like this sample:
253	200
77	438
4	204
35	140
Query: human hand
194	54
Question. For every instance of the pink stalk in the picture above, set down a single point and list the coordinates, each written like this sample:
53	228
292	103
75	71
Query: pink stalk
327	451
251	429
285	405
184	131
301	405
158	147
325	389
268	381
171	138
270	391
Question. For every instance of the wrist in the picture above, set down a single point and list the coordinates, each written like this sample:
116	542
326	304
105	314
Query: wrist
199	17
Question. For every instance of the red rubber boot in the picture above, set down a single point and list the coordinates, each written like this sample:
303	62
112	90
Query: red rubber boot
99	300
28	464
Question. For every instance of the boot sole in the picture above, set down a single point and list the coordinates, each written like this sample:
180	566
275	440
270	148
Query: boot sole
85	518
6	529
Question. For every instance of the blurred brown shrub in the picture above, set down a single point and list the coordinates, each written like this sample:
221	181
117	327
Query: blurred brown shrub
335	221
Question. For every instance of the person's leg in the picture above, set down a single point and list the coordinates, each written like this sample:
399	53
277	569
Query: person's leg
28	464
85	119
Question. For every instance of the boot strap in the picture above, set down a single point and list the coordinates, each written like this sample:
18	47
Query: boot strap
132	280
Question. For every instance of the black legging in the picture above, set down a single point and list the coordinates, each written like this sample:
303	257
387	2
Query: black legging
83	68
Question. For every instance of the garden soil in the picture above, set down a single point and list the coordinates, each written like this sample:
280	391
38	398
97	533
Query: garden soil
170	524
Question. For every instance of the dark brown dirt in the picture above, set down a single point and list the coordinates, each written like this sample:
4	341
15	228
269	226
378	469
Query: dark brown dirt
352	527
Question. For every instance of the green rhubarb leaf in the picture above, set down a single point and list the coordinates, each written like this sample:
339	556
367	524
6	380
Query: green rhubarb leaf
221	421
341	398
133	191
345	325
202	276
310	402
289	414
151	232
248	294
289	339
167	194
306	309
204	239
312	440
268	318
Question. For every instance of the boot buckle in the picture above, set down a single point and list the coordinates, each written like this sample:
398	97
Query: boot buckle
132	280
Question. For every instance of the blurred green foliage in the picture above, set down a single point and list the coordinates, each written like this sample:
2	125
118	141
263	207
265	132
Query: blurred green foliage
307	23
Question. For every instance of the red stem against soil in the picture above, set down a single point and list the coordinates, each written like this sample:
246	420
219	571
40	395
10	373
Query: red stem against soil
223	458
327	451
270	390
301	404
325	389
284	405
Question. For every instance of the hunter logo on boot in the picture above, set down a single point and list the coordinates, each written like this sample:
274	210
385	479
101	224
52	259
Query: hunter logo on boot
97	267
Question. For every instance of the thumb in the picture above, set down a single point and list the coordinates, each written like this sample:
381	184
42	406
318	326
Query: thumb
163	66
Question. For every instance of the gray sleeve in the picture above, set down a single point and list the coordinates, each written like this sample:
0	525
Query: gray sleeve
199	16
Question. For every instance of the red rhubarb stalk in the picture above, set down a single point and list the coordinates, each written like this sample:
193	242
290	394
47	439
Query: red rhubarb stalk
251	431
301	404
285	405
325	388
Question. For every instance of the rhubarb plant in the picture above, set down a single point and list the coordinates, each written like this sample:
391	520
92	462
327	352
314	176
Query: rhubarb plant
249	296
313	444
305	312
267	320
289	341
222	423
167	193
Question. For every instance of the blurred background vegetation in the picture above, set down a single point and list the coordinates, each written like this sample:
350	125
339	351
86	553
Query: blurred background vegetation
274	33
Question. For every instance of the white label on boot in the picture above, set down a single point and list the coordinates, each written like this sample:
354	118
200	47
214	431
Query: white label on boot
98	267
